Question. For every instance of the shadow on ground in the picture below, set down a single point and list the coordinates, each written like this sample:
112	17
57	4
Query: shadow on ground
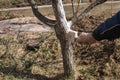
28	74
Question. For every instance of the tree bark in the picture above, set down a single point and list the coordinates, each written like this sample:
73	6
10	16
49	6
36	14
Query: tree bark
65	35
62	31
38	14
82	14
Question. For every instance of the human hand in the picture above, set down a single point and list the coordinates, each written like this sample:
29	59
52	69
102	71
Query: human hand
85	38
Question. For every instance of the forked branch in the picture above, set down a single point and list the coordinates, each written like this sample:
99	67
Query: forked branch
38	14
62	21
90	7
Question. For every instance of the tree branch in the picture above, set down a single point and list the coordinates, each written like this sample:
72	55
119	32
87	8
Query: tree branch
62	21
60	15
90	7
41	17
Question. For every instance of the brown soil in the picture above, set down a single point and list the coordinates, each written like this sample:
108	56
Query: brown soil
21	3
101	59
43	60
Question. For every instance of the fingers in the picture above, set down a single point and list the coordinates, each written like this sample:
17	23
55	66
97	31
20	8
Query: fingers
85	38
81	38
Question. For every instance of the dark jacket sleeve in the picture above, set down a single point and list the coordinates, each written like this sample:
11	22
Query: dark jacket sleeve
109	30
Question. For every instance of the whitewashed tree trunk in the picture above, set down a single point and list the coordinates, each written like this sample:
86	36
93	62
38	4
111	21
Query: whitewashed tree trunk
65	35
62	31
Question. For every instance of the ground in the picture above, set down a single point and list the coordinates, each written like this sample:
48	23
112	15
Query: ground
37	56
20	3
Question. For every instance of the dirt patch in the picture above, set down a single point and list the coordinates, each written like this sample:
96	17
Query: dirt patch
100	60
21	3
36	56
43	60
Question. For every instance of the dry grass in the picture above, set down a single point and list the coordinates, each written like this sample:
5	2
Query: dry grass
37	56
19	61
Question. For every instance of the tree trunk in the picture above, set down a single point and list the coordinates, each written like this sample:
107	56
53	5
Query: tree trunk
67	52
62	29
65	35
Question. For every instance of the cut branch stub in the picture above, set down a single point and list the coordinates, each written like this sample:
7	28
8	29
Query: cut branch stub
38	14
65	27
47	21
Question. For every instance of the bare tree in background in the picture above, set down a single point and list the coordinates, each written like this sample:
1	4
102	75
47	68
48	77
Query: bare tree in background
63	30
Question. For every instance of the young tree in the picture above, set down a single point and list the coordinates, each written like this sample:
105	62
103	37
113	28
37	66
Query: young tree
63	30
